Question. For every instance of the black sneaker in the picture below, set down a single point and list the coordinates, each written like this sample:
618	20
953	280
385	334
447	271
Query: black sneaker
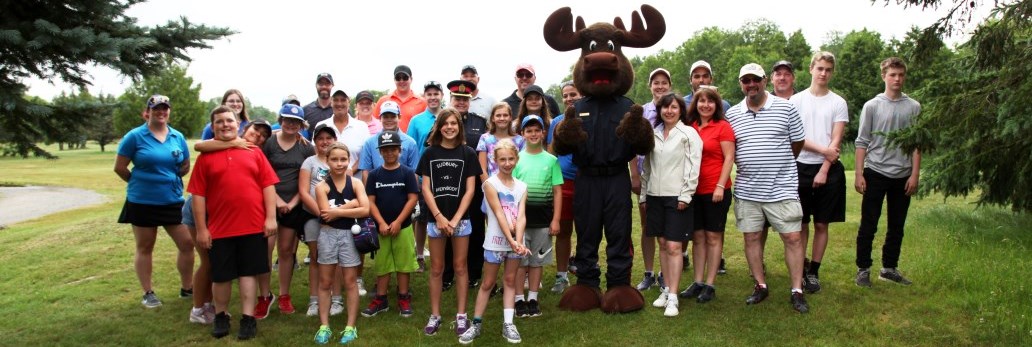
811	283
221	326
533	309
521	308
185	293
446	285
758	295
723	269
863	278
707	295
248	328
474	283
799	303
692	291
893	275
495	290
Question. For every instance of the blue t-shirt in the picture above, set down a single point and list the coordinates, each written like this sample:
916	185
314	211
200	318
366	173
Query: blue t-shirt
565	161
370	157
208	134
155	174
419	129
391	189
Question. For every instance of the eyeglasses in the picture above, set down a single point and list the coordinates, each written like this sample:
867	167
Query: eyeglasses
752	79
401	77
524	75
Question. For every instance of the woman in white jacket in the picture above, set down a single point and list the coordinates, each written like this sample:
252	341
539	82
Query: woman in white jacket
670	176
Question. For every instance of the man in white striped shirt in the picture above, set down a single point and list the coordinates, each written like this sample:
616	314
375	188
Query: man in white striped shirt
768	137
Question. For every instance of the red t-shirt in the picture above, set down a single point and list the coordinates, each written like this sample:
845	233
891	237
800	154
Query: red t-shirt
231	181
712	155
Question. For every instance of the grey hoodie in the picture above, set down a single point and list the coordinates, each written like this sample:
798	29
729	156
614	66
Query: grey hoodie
879	117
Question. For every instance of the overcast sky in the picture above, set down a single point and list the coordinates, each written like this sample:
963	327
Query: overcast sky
281	46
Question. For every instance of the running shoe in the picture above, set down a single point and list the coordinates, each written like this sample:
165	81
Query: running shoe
893	275
561	283
324	334
377	305
405	305
510	333
150	300
432	326
349	334
471	334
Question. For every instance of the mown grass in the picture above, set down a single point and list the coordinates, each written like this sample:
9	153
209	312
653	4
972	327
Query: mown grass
68	279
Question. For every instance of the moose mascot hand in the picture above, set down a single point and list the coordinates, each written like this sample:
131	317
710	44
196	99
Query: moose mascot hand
603	131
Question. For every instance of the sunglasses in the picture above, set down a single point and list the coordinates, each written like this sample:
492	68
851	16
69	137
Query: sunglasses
750	79
401	77
524	75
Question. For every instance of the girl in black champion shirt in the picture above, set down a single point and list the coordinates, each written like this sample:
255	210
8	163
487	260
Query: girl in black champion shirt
448	168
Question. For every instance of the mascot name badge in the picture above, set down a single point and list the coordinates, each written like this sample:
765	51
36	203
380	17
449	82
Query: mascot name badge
603	131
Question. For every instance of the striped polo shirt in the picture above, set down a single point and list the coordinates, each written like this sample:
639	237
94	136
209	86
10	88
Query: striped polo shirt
763	150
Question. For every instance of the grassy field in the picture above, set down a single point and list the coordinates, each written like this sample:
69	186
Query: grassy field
67	279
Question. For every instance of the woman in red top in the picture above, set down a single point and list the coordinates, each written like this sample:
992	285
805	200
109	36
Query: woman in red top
706	115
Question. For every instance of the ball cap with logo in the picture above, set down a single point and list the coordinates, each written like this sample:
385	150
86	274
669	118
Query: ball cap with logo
292	111
390	107
388	138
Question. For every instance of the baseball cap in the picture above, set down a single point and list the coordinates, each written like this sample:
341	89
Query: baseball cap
290	99
158	100
657	71
325	75
531	118
390	107
782	63
752	69
432	84
341	92
469	68
403	69
388	138
262	123
461	88
533	88
700	63
365	94
324	127
525	66
292	111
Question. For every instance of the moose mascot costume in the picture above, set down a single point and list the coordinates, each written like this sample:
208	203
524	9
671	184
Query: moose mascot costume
603	131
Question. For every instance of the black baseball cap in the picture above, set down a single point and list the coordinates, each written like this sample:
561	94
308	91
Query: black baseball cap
325	75
470	68
403	69
388	138
365	94
782	63
432	84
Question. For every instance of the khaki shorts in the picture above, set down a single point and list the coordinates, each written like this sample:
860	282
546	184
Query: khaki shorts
784	216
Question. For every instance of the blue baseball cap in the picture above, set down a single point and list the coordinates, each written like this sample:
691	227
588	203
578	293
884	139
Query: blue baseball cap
531	118
292	111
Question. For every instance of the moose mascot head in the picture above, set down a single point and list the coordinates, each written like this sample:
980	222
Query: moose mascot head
603	131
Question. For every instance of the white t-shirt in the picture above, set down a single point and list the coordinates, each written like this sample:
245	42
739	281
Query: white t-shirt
354	136
819	113
509	199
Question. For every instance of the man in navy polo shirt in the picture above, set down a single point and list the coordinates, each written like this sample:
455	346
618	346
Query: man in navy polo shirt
322	108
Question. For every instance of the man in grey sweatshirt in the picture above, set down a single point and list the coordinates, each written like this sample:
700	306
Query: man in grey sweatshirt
885	172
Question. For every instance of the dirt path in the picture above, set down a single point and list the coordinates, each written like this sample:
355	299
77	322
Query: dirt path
19	204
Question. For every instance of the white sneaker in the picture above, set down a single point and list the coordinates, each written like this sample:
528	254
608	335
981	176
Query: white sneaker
361	287
336	308
313	308
662	300
199	315
671	307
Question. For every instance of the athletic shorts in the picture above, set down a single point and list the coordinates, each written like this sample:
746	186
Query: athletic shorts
337	246
663	219
784	216
396	253
238	256
566	213
827	203
711	216
311	231
464	229
295	219
149	216
499	257
539	242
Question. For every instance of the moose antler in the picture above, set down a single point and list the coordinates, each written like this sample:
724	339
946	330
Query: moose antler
638	36
559	31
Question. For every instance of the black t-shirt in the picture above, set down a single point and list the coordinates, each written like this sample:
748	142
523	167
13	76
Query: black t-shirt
391	189
448	170
287	165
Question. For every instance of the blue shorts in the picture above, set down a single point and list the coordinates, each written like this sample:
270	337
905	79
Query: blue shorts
463	230
188	212
498	257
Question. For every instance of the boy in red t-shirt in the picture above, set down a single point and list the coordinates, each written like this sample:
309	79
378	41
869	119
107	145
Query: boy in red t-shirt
236	188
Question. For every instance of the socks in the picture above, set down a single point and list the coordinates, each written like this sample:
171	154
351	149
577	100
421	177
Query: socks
508	313
648	273
763	285
815	266
561	274
532	296
477	320
312	299
337	298
797	290
519	297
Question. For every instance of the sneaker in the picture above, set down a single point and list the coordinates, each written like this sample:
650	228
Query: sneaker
150	300
285	306
377	305
446	285
474	283
422	265
811	284
863	277
533	308
361	287
405	305
799	303
646	282
324	334
671	307
510	333
560	284
336	306
707	295
723	269
471	334
221	327
261	310
692	291
248	328
893	275
660	282
313	308
521	308
185	293
200	315
572	269
349	334
758	295
461	324
661	300
495	291
308	260
432	326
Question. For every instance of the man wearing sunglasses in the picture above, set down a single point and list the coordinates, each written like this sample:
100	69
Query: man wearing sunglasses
411	103
525	77
768	138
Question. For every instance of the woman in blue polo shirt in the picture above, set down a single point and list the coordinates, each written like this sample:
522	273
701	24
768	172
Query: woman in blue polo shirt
154	196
